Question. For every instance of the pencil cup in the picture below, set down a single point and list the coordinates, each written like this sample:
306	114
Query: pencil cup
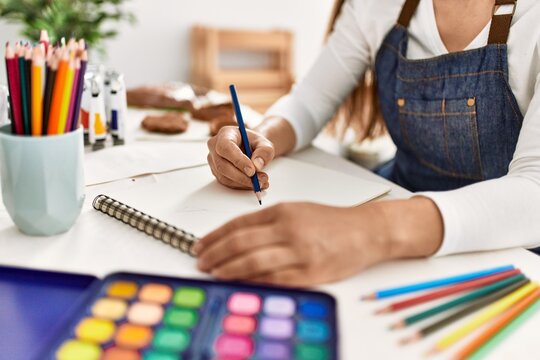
42	180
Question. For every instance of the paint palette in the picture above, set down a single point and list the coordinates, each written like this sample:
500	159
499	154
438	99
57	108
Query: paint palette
131	317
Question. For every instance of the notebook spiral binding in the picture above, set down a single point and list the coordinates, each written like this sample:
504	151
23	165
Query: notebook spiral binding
160	230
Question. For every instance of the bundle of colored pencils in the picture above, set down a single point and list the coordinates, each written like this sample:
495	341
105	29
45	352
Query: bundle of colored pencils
502	297
45	86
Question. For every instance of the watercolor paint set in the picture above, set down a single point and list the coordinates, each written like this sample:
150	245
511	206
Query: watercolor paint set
131	316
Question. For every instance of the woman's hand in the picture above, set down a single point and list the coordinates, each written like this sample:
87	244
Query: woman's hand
231	166
303	244
294	244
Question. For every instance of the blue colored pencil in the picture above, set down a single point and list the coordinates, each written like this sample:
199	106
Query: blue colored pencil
245	140
435	283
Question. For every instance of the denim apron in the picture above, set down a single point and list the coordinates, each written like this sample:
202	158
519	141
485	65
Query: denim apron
453	118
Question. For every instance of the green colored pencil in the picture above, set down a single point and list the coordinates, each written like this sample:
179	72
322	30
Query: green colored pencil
25	101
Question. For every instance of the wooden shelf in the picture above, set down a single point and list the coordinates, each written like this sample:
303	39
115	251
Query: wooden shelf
259	87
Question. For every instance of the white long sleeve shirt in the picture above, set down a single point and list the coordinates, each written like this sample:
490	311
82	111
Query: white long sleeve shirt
493	214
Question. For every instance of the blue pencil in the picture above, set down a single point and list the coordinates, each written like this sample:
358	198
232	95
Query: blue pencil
245	140
435	283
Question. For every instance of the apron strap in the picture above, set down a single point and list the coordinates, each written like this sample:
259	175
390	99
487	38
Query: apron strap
407	12
500	24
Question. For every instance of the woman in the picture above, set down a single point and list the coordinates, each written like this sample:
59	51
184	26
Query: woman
453	80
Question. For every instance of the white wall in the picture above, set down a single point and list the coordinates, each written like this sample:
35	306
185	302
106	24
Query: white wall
156	49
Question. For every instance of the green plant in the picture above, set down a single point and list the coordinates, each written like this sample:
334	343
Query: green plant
87	19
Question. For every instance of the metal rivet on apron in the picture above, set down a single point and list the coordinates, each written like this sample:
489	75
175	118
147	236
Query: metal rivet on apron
401	102
471	102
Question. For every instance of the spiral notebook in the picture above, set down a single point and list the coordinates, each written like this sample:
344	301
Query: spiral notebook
159	230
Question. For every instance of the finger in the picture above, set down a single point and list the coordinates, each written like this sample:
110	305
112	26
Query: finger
236	244
211	143
257	218
223	180
228	170
291	276
232	183
258	262
263	154
228	147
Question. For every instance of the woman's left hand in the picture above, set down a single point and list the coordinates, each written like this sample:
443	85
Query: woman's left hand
295	244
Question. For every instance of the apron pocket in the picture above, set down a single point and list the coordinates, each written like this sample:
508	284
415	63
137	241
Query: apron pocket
443	135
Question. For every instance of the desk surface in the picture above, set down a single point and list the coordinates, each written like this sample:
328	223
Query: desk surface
99	245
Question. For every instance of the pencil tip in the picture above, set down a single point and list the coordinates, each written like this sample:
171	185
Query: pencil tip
259	197
410	339
368	297
385	310
431	352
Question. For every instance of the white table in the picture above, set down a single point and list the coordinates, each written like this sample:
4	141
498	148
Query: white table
99	245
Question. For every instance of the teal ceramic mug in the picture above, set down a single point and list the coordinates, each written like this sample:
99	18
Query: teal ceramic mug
42	180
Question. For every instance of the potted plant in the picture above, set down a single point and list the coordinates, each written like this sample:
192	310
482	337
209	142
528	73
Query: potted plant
87	19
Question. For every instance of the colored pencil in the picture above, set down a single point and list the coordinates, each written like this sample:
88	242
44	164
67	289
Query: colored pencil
14	90
472	307
73	96
468	298
7	60
80	87
483	317
497	325
44	86
49	86
245	140
435	283
28	68
58	92
472	284
488	347
25	98
66	96
38	62
44	39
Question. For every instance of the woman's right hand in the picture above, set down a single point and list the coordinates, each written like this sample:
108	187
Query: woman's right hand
231	166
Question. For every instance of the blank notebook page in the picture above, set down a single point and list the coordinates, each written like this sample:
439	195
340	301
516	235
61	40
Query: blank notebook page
194	201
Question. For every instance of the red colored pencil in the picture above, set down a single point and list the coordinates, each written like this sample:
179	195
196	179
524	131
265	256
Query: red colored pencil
12	66
44	39
468	285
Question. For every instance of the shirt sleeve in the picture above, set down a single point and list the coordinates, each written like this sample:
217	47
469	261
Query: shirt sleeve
335	73
500	213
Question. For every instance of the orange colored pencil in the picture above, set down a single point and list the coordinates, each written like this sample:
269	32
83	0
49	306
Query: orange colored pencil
38	62
498	325
58	92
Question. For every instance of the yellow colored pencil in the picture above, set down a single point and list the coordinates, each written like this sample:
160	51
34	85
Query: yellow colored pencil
38	63
66	96
486	315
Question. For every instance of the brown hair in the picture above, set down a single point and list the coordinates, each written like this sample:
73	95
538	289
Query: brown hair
360	111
